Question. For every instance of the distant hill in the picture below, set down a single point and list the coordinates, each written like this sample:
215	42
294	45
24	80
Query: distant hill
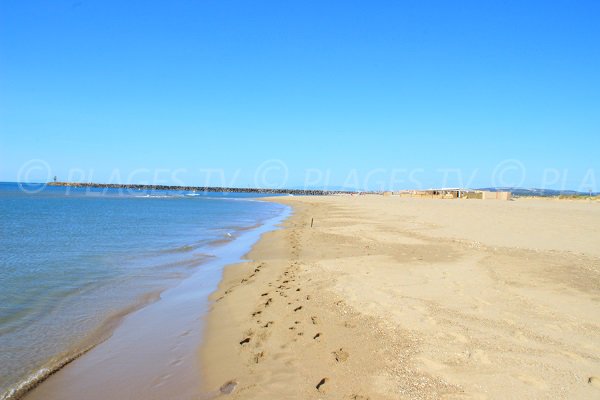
539	192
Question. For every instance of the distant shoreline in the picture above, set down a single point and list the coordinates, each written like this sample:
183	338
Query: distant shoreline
213	189
515	192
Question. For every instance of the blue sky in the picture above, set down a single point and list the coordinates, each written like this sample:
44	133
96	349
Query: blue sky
320	93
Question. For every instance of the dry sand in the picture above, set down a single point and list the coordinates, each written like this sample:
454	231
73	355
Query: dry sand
389	298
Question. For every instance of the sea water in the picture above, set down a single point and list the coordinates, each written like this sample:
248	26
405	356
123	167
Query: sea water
74	261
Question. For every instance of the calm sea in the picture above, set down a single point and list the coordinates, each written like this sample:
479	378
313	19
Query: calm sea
73	261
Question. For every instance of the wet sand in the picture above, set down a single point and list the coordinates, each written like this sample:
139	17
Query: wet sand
388	298
151	355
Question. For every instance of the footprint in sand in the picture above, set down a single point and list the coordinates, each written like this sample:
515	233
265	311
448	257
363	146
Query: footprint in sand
594	381
298	308
176	362
228	387
341	355
314	320
318	335
320	385
258	356
245	341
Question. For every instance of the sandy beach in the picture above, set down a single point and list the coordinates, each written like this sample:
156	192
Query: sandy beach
390	298
234	200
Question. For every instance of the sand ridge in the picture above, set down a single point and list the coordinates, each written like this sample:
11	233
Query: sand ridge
383	299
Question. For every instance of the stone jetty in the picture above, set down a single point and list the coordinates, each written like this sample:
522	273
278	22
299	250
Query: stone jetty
312	192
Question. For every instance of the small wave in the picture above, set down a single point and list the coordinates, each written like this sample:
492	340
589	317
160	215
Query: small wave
33	380
95	338
181	249
159	196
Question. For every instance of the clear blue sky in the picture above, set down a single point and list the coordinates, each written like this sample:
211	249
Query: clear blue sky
437	93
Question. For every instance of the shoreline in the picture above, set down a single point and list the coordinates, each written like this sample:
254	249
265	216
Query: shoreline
103	331
176	306
382	298
95	338
386	298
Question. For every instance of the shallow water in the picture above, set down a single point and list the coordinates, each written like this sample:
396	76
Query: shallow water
74	261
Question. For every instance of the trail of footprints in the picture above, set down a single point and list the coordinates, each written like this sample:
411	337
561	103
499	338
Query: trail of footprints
284	288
